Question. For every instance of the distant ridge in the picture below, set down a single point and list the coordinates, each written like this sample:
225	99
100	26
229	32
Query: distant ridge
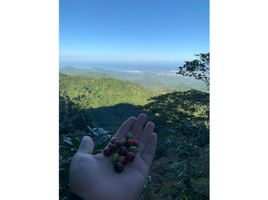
152	80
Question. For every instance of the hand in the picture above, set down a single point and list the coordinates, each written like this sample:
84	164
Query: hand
93	177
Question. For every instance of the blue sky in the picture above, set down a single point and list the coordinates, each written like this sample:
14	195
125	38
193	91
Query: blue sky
133	30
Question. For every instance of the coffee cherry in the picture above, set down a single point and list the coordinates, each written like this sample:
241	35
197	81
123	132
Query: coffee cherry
117	143
130	156
123	141
115	157
135	142
129	135
130	142
122	151
112	146
118	167
113	139
133	149
107	152
123	160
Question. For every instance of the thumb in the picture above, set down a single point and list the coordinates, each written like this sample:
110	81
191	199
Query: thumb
86	145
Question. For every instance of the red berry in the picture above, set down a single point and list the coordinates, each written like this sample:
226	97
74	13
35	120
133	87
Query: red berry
112	146
117	143
130	156
118	167
107	152
135	142
130	142
122	151
123	160
113	139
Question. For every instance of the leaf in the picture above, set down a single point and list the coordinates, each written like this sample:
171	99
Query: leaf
75	141
68	141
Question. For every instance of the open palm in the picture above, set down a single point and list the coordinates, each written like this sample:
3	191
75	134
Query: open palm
93	176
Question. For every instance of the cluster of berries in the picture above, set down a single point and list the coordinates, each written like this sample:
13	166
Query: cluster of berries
121	151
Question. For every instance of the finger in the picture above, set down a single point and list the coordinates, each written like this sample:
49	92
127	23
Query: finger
125	127
149	128
150	148
137	127
86	145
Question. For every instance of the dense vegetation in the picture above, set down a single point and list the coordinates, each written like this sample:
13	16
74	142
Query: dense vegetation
98	92
181	166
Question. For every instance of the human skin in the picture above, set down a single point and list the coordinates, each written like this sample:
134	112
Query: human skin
93	177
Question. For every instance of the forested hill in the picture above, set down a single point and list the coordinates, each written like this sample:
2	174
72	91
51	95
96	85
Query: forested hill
149	79
96	92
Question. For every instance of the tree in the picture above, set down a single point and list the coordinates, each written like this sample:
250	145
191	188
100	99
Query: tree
198	68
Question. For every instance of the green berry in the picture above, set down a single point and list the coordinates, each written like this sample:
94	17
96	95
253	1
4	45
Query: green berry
130	135
123	141
133	149
115	157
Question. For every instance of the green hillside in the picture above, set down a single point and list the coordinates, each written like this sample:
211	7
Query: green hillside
96	92
180	169
151	80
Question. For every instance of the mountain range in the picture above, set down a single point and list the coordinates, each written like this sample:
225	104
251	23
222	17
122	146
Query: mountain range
156	80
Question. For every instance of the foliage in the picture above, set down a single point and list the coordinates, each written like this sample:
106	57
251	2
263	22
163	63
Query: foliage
71	116
188	150
197	68
182	158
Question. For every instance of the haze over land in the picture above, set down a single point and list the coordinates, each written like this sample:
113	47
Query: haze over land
164	79
144	65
